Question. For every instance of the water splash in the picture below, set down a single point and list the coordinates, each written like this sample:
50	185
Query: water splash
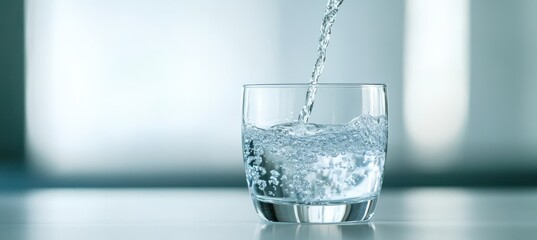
313	163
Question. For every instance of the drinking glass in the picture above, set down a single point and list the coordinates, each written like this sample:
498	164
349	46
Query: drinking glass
327	169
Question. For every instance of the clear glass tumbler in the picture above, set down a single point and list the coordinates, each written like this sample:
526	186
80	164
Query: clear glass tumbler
328	170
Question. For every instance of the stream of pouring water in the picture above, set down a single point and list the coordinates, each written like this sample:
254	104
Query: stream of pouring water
324	39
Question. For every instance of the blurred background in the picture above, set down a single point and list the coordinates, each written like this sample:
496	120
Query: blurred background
115	93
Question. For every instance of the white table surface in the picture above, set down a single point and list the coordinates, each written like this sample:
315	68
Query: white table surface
423	213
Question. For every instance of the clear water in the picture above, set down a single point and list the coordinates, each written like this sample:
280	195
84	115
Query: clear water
315	164
330	14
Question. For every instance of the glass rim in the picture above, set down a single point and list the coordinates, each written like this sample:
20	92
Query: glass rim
304	85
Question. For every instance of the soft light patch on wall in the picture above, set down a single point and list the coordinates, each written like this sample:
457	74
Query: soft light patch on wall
436	86
143	88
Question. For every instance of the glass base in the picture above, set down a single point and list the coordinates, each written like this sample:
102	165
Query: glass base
299	213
